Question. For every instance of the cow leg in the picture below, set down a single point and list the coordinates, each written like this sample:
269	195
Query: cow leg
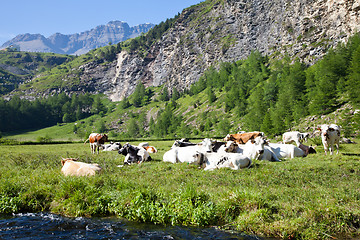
92	148
337	147
325	148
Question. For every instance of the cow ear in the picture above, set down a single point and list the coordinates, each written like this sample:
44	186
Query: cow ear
63	162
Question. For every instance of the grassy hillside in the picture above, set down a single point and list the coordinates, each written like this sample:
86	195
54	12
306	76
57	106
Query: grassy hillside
18	67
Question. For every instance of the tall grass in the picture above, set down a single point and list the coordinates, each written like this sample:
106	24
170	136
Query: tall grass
308	198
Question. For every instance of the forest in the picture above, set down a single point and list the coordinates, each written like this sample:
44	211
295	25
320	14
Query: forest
269	95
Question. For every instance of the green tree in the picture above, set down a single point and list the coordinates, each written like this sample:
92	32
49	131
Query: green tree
101	127
138	95
133	128
211	95
164	96
175	94
98	107
353	83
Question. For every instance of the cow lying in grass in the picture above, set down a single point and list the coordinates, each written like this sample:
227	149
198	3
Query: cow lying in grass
134	154
184	154
112	146
147	147
71	167
231	155
295	136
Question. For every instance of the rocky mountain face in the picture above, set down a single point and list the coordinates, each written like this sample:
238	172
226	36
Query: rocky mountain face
218	31
79	43
228	30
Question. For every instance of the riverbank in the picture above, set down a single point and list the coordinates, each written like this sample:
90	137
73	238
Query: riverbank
315	197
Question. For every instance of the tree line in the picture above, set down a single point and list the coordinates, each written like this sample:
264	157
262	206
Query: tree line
266	94
262	93
21	114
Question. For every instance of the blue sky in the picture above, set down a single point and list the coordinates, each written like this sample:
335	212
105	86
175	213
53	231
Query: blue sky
74	16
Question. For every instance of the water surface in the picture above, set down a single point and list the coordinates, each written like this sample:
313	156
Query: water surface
52	226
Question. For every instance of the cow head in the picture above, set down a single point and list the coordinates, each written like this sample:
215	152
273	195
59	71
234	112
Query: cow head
227	138
125	149
255	147
230	146
64	160
207	144
103	138
199	159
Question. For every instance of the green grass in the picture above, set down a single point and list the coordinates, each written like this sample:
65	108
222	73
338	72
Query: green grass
302	198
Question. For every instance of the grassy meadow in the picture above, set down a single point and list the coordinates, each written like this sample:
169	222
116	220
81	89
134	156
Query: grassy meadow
317	197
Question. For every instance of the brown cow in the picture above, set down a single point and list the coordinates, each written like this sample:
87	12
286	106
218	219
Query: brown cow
242	138
71	167
150	149
96	140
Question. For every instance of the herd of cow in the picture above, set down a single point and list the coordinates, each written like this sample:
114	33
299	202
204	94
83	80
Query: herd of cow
235	151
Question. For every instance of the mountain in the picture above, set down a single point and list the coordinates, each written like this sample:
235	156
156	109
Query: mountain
205	35
78	43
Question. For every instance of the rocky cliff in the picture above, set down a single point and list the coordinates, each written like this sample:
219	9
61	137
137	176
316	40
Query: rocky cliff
215	31
228	30
79	43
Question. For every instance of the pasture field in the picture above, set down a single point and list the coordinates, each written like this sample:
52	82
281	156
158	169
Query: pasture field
317	197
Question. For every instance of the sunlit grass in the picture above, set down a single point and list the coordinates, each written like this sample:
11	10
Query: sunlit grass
306	198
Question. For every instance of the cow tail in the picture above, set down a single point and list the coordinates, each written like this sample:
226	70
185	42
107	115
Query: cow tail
86	141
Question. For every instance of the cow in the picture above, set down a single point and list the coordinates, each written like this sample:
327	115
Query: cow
147	147
96	140
134	154
277	151
112	146
71	167
217	145
330	135
215	160
295	136
185	154
231	155
143	144
307	149
182	143
243	138
252	149
150	149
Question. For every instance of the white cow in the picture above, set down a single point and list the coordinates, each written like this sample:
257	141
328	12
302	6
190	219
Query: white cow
231	155
71	167
113	146
295	136
330	135
276	151
214	160
185	154
252	149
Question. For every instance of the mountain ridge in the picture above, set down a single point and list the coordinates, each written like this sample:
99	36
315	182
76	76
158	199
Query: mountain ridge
208	34
78	43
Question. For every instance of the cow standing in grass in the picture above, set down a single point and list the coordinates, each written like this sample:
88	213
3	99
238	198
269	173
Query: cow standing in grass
330	136
96	140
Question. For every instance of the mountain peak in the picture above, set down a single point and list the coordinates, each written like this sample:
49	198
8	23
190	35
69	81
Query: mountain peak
79	43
